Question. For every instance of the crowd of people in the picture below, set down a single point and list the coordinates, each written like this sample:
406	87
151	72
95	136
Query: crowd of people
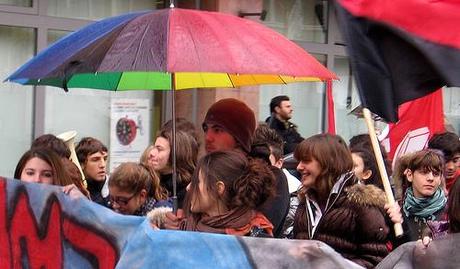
239	186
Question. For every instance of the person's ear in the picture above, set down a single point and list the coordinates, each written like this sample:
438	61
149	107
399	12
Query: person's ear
279	163
143	195
220	187
367	174
277	109
409	175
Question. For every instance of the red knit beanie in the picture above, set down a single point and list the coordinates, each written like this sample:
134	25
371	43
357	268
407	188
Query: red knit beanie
236	118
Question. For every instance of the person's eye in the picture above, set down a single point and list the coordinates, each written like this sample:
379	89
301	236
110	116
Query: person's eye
30	173
48	174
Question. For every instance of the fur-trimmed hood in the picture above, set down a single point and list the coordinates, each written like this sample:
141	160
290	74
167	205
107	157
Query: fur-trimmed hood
366	195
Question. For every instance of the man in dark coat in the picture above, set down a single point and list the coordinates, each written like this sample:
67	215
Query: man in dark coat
281	113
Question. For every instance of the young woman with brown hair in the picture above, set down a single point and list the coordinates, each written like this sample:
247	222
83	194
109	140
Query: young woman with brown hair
159	157
332	208
42	165
224	194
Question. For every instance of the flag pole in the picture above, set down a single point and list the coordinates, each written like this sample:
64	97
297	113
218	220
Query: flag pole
381	165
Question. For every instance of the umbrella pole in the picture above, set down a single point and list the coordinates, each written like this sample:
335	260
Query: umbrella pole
383	173
174	168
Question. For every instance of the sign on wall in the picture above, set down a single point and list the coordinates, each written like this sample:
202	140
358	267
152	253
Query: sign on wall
129	130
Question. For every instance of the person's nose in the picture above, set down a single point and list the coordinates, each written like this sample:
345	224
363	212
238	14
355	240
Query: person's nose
208	136
300	167
450	165
430	176
115	205
102	163
36	178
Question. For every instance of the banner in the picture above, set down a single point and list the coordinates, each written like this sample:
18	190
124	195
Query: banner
41	227
442	253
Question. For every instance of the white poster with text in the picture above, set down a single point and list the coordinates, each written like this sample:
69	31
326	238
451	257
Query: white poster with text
129	130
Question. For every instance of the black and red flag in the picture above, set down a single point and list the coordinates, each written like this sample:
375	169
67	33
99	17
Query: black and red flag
400	50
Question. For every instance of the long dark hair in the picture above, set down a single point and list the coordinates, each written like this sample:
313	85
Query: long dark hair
186	153
248	183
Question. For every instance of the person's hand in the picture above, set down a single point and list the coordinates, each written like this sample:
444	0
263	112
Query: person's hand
73	191
154	226
426	241
172	221
394	211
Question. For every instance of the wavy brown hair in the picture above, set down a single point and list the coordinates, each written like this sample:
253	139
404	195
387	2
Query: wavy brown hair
134	177
333	156
186	153
248	183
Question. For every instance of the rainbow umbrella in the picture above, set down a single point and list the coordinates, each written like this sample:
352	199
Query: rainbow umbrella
171	49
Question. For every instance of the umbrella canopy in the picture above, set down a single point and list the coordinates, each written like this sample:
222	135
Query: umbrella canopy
171	48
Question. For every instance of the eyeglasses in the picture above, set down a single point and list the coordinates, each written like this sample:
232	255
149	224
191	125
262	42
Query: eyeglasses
121	201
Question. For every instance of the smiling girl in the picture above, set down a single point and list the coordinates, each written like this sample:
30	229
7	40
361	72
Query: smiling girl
348	217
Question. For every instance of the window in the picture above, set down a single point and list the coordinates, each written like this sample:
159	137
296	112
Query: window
301	20
17	45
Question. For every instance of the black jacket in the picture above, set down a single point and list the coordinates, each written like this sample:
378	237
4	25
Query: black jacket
277	207
288	132
95	188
